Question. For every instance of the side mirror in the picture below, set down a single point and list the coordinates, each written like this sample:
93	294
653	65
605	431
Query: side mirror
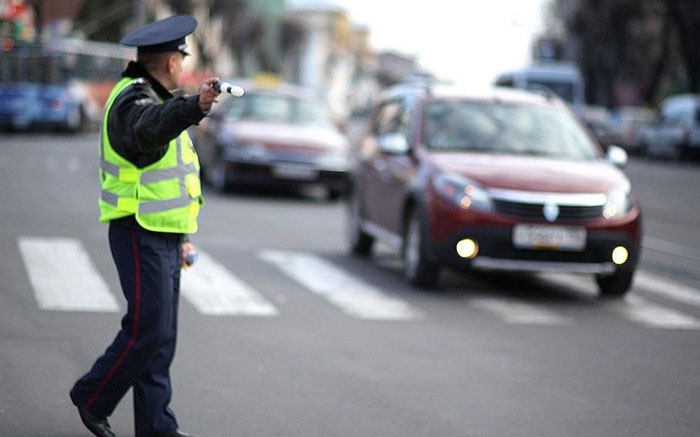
395	144
617	156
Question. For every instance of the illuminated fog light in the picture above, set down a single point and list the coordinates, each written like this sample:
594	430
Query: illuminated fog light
467	248
620	255
610	211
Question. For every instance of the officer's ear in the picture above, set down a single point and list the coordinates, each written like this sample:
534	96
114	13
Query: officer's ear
172	62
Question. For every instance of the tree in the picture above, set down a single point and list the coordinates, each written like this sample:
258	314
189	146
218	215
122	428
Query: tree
103	20
650	46
684	16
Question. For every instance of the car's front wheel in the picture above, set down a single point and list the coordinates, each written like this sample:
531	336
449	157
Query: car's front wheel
682	152
333	194
418	268
360	242
616	284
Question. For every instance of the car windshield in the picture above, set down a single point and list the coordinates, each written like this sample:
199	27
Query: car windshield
500	128
565	90
278	108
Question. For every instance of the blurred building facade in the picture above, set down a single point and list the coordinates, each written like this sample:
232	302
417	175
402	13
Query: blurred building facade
33	20
313	44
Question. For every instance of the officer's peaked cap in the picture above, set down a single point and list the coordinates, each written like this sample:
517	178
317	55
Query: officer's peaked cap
166	35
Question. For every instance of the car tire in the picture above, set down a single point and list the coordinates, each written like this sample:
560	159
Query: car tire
333	194
616	284
682	152
75	121
419	269
642	150
360	242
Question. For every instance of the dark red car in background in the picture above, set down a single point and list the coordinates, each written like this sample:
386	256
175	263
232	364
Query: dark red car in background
275	134
499	180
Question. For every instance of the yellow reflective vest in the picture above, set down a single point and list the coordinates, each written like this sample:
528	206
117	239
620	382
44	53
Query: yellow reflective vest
164	196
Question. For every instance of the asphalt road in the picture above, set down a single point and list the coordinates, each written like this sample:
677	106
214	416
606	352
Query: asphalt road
282	333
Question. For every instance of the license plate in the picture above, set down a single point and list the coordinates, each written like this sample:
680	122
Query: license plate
546	237
295	171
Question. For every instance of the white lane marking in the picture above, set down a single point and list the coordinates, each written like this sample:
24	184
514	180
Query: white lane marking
643	281
352	295
671	248
213	290
519	313
668	288
63	277
637	309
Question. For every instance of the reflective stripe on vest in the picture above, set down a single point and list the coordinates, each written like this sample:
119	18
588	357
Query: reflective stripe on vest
130	175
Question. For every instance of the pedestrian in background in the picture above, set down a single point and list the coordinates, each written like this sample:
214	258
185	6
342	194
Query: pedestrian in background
151	195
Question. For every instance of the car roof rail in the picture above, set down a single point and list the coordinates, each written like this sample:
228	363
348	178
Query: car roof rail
421	82
544	91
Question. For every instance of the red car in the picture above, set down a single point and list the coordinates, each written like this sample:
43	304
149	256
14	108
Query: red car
501	180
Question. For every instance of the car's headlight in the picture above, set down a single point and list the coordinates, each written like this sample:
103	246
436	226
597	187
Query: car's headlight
463	192
255	151
618	201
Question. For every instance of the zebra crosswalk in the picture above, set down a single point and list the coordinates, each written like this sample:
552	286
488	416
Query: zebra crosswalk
214	290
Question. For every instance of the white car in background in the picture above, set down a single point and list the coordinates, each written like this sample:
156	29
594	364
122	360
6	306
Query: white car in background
675	132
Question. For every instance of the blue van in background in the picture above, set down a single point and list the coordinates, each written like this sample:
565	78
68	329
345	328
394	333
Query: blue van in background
562	78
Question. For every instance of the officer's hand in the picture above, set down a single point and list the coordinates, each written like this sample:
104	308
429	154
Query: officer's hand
207	94
187	248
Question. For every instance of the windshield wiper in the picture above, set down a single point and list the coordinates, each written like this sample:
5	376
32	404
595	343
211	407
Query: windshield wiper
531	152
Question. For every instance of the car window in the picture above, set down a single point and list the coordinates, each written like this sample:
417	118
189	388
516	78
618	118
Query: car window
504	129
676	111
391	118
565	90
278	108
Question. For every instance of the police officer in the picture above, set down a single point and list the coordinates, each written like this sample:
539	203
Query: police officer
151	196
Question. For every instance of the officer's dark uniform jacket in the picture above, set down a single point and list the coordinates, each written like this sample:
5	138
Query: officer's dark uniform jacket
144	118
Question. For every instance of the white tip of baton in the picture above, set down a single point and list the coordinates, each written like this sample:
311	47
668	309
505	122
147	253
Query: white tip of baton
225	87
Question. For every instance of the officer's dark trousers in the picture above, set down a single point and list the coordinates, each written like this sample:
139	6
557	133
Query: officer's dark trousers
149	271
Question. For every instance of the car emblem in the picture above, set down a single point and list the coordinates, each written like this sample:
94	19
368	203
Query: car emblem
550	211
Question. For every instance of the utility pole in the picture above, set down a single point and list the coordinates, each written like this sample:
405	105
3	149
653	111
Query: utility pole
140	13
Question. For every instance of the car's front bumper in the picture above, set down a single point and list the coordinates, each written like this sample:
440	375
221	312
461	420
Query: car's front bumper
496	251
285	173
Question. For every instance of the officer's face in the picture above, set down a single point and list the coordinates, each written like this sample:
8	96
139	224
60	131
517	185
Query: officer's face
175	69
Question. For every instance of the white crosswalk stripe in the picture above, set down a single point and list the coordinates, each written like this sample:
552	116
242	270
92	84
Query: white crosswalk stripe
213	290
63	277
670	289
519	313
636	309
352	295
640	310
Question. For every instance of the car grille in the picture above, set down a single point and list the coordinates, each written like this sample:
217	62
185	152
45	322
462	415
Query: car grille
536	211
553	207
